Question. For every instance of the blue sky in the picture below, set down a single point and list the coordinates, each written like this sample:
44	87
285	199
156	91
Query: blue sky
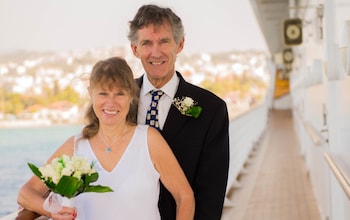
210	25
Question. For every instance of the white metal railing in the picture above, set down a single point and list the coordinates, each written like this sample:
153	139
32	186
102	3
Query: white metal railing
245	130
341	171
11	216
313	144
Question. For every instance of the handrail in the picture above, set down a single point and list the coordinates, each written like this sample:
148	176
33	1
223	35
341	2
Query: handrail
23	214
243	113
315	136
341	172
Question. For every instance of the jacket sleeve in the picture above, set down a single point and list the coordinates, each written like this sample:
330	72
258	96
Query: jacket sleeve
211	179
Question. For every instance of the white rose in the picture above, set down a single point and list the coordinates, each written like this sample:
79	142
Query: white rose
82	164
68	170
57	165
48	171
188	102
77	174
65	158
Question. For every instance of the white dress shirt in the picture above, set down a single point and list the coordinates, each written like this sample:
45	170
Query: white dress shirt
164	103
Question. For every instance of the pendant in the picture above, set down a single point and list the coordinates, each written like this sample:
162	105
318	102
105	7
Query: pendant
108	149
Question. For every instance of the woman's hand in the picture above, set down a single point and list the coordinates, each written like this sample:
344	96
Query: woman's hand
64	214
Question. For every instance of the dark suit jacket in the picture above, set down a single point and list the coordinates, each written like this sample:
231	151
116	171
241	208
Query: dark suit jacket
201	146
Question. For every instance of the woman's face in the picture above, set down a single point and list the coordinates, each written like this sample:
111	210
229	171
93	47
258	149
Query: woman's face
111	106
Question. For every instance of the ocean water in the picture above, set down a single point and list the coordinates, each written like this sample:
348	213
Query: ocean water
18	146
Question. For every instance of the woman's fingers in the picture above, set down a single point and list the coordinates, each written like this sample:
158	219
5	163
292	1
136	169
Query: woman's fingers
65	213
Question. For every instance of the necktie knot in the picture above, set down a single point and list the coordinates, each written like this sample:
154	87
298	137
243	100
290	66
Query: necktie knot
152	113
156	94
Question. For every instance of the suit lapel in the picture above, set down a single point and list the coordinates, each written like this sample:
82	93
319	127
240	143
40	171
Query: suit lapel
175	121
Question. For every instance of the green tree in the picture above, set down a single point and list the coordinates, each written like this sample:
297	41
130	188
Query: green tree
68	94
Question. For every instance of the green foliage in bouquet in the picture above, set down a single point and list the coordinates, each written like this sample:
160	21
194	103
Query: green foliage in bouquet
69	176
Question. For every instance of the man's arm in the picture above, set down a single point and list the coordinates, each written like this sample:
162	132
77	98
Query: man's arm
212	174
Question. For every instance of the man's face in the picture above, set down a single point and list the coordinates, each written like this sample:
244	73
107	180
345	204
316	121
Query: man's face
157	51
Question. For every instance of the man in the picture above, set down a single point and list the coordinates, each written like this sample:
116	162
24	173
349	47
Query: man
201	144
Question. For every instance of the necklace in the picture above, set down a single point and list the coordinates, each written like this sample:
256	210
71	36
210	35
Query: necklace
109	146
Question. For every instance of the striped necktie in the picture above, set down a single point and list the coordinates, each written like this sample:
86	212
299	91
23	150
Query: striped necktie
152	112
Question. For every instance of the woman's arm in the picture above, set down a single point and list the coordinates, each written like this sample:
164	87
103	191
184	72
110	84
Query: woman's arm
33	193
171	175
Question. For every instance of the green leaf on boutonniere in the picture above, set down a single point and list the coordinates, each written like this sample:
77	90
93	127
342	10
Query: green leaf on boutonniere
194	111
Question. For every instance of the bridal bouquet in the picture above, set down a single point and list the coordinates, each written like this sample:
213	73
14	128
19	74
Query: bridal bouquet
69	176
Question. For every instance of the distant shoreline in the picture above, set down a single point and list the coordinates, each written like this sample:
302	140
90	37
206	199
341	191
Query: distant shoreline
27	123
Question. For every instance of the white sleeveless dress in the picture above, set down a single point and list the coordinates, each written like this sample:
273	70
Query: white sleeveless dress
134	180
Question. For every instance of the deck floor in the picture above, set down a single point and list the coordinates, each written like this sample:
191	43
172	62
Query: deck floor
275	183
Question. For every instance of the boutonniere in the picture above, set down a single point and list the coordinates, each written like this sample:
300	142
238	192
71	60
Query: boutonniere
187	106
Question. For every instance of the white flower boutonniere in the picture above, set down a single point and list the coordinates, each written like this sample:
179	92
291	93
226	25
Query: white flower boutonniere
187	106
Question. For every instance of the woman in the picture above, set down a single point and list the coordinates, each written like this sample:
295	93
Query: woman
130	158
